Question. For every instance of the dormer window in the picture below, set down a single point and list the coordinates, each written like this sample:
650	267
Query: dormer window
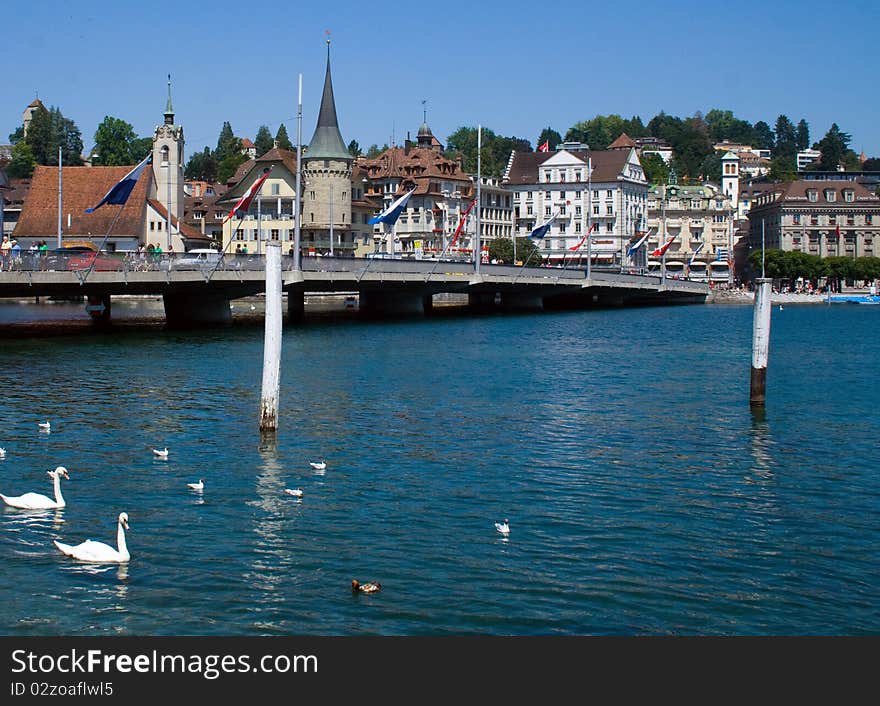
849	195
812	195
830	195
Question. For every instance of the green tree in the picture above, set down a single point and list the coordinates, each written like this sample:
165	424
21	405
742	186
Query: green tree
495	150
783	168
115	143
282	139
656	169
762	136
226	169
550	136
724	126
710	169
786	140
226	143
834	147
263	141
40	137
202	166
375	150
17	136
22	164
354	149
602	130
872	164
48	130
526	251
802	135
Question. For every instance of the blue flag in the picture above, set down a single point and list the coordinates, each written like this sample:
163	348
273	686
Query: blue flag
634	248
544	228
122	189
392	213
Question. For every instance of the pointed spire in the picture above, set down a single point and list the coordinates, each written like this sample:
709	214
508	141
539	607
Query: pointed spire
327	142
169	111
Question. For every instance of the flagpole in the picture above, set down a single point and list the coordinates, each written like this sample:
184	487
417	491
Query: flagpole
478	254
59	195
259	220
297	265
762	249
589	215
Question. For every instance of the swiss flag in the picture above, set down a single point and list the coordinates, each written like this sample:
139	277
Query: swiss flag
545	147
837	230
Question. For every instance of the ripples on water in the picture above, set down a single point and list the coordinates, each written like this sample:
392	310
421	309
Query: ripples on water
643	496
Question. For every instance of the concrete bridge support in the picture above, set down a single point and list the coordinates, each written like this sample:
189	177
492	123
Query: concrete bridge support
481	301
522	301
393	303
296	306
98	307
183	310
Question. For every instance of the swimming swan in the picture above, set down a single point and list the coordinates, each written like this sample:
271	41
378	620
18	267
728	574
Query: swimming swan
503	527
35	501
161	453
98	552
319	465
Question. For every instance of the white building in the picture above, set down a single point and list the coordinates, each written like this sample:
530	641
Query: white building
583	189
806	157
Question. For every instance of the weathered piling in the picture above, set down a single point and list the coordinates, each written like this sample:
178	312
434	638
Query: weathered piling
272	341
760	343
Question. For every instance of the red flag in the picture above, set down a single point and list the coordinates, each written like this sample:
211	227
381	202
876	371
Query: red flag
245	201
584	239
838	231
659	252
461	223
545	147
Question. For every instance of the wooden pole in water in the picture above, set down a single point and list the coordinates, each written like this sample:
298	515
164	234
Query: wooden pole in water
760	342
272	342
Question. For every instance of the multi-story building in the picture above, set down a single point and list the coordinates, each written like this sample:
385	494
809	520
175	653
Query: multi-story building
580	189
442	194
701	219
806	157
496	211
824	218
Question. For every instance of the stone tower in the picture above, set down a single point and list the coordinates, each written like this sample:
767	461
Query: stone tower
168	162
326	171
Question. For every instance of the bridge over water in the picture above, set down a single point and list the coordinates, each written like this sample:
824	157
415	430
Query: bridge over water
196	292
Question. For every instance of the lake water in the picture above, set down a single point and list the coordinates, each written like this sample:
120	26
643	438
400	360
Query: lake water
643	495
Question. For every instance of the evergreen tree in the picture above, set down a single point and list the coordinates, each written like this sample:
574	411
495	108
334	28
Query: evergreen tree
786	140
263	141
762	136
202	166
230	164
40	138
834	147
22	164
354	149
282	139
550	136
656	169
226	143
375	151
802	135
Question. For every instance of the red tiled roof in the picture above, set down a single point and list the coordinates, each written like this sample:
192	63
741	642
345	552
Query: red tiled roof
624	141
82	188
418	166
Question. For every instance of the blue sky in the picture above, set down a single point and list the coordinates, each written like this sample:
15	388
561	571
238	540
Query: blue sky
514	67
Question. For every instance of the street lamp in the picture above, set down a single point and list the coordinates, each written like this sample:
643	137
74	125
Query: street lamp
669	192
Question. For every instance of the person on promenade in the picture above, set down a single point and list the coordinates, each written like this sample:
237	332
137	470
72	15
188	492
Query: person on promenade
5	248
15	252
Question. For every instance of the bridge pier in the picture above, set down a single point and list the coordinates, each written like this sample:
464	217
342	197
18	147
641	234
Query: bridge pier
522	301
196	309
374	303
98	307
481	301
296	306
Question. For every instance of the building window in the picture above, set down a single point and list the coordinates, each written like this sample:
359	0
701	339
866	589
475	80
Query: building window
832	220
312	217
562	231
562	210
561	175
609	227
609	194
812	195
596	210
814	220
577	227
577	210
239	234
830	195
609	210
546	194
796	219
547	175
276	189
152	225
274	235
850	220
869	219
577	174
528	194
529	210
849	196
546	210
562	194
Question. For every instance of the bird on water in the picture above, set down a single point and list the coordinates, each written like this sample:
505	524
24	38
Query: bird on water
503	527
368	587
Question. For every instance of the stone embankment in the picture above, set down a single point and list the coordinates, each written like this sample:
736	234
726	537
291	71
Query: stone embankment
735	296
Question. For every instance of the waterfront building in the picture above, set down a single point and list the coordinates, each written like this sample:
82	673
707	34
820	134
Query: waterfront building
807	157
151	215
443	191
701	217
201	210
496	210
582	188
825	218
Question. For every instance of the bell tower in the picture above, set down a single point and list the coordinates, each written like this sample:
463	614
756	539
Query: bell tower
168	162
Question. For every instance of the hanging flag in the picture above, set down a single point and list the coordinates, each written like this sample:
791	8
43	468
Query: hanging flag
245	201
545	147
837	230
634	248
122	189
661	251
584	239
699	247
392	213
542	229
461	223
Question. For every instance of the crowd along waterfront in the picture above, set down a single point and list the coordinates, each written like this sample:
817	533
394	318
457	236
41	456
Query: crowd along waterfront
643	495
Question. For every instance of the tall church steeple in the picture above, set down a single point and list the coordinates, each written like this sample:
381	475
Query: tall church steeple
327	142
169	111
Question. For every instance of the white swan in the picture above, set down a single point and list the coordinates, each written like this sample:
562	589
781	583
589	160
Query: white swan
2	452
35	501
98	552
295	492
161	453
503	527
196	486
318	465
44	426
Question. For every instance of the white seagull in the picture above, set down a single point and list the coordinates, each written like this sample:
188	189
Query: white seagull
35	501
503	527
295	492
318	465
44	426
196	486
161	453
2	452
98	552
